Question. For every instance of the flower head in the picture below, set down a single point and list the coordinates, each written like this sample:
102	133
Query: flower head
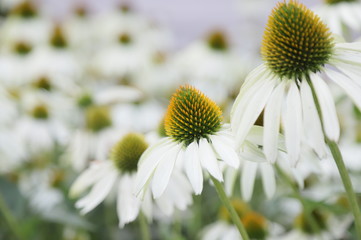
126	153
98	118
191	116
296	42
217	41
195	139
297	50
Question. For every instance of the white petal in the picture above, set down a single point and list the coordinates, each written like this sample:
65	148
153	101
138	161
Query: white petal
247	180
268	179
254	104
272	118
251	152
98	193
252	83
311	122
293	124
193	167
117	94
149	161
329	116
88	178
352	89
226	151
127	204
208	159
164	170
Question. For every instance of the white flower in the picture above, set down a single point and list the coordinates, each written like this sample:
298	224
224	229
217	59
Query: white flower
282	85
252	161
119	175
196	141
338	14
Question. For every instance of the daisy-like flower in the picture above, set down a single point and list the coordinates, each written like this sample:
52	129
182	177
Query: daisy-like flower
119	173
196	140
338	14
297	48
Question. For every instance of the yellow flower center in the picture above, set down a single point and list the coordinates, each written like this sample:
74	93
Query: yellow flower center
126	153
43	83
124	38
241	208
255	225
97	118
25	10
296	42
217	41
191	116
58	39
22	48
338	1
303	224
40	112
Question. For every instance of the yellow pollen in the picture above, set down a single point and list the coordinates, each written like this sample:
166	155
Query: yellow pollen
191	116
295	42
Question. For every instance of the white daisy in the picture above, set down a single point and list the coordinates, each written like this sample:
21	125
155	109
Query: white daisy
196	140
338	14
282	85
119	174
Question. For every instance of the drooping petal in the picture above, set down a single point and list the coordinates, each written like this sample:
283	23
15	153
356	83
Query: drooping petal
247	180
229	180
352	89
329	116
311	122
268	179
90	176
193	167
149	161
252	108
164	170
293	124
272	118
225	150
127	204
208	159
98	193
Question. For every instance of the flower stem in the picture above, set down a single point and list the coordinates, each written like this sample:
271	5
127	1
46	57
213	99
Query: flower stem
235	218
9	218
144	229
308	212
336	154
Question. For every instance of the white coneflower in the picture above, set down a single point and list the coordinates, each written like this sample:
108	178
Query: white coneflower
338	14
119	173
196	140
295	54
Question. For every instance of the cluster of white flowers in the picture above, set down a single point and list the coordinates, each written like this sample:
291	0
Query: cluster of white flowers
100	109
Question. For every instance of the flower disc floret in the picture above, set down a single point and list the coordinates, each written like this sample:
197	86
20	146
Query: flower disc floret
191	116
126	153
339	1
97	118
296	42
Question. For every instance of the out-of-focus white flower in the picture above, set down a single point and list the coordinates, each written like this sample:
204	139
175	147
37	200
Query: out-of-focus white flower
338	14
119	174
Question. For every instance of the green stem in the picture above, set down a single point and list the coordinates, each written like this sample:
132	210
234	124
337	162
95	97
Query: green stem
308	212
235	218
9	218
144	228
336	154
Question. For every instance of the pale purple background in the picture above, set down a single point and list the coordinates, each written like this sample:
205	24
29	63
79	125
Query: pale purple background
192	19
